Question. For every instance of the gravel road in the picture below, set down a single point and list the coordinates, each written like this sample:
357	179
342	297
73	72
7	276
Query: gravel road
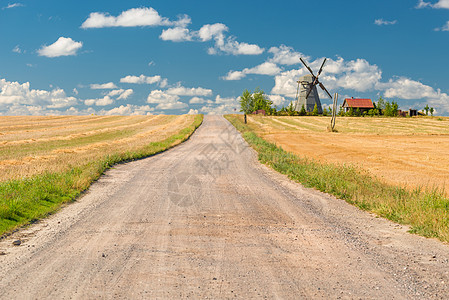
206	220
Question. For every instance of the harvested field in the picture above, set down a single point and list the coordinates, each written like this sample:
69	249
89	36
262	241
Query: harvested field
34	145
408	152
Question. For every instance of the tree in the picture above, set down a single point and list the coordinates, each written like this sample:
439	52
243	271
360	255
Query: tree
427	109
357	112
303	111
315	110
246	103
431	111
380	105
325	111
261	101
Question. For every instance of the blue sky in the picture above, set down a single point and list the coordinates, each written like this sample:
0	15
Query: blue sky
174	57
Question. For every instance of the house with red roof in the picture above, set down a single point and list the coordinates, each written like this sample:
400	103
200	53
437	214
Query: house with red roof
361	104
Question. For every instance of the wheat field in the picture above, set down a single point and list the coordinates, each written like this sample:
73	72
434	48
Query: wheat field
34	145
408	152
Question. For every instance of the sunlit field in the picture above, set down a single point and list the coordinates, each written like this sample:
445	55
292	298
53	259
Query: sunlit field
409	152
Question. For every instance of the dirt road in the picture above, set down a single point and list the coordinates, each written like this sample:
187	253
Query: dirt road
206	220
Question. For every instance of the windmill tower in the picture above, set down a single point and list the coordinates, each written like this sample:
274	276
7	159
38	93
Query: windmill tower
307	93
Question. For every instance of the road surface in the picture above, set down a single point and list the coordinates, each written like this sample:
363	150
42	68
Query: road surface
206	220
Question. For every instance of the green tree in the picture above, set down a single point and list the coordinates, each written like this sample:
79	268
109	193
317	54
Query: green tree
261	101
246	103
350	112
303	111
357	112
427	109
431	111
380	105
315	110
325	111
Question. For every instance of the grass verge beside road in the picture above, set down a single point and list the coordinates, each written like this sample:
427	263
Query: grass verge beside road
29	199
426	211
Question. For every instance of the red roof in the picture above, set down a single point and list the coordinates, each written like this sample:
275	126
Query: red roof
361	103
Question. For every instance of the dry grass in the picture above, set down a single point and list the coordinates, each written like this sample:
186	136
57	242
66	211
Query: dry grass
407	152
425	210
34	145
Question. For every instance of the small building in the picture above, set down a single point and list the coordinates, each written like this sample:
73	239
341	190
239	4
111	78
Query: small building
361	104
259	112
412	112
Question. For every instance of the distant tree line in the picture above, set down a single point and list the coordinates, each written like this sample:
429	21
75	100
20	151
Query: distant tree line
251	102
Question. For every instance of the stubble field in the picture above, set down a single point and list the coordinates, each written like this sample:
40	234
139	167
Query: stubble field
408	152
47	161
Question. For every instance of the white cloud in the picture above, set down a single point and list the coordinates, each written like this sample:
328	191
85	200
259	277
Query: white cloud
381	22
121	93
140	79
197	100
440	4
12	5
16	94
405	88
176	34
165	100
106	100
129	109
104	86
227	45
234	75
75	91
193	111
133	17
278	100
17	49
210	31
62	47
266	68
444	28
183	91
285	55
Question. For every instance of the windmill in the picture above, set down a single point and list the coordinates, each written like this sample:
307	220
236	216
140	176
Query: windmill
306	93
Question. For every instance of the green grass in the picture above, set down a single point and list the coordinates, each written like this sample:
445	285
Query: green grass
426	211
30	199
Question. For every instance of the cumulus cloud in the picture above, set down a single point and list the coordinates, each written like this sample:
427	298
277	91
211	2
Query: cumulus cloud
210	31
183	91
62	47
106	100
103	86
193	111
165	100
266	68
127	110
16	94
176	34
221	106
142	79
285	55
121	93
381	22
197	100
440	4
134	17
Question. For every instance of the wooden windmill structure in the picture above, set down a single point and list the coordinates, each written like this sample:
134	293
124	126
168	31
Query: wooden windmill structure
307	93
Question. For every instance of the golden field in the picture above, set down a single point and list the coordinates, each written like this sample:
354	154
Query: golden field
34	145
409	152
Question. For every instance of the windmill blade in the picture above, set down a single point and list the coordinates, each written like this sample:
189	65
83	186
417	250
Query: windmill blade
312	85
324	89
321	69
304	63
